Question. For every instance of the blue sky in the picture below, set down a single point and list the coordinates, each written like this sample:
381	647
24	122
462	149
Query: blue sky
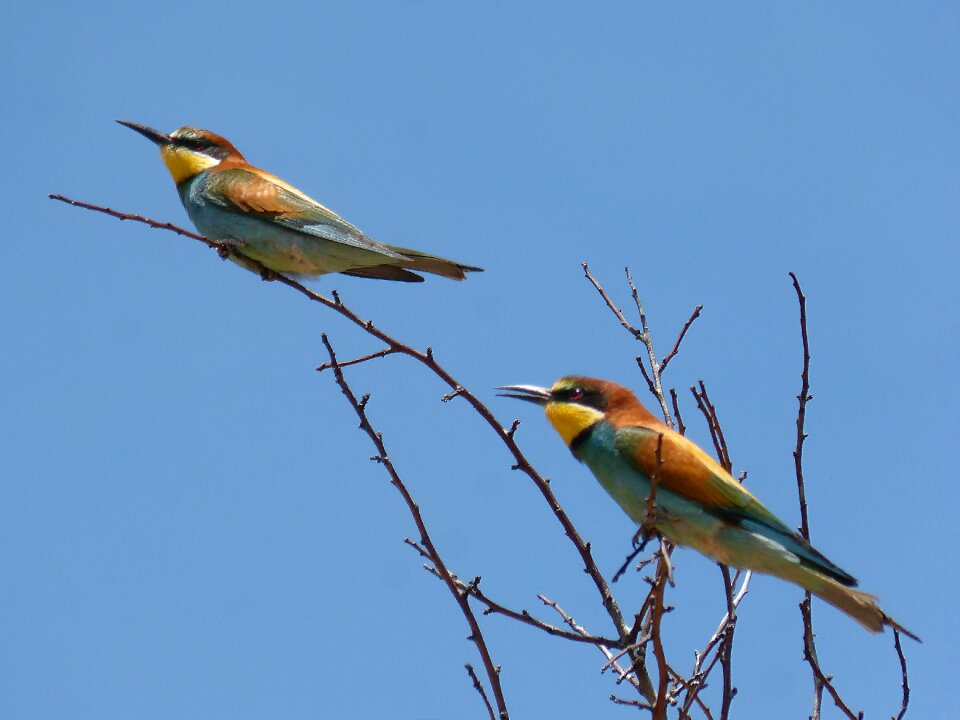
190	524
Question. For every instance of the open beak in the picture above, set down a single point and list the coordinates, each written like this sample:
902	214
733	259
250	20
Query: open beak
530	393
156	136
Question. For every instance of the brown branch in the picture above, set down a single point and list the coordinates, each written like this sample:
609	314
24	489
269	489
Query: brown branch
652	378
803	397
681	428
357	361
640	680
425	358
713	422
618	313
903	670
698	677
820	680
479	688
676	346
495	608
426	542
726	650
659	710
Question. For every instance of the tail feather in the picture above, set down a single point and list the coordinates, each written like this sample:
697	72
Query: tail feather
861	606
384	272
433	264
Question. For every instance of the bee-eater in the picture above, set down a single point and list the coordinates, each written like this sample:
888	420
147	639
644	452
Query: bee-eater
696	503
270	221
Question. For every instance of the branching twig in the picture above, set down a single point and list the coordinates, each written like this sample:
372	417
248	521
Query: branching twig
903	671
681	428
676	346
653	377
479	687
663	574
426	542
357	361
495	608
427	359
698	677
713	422
820	680
641	681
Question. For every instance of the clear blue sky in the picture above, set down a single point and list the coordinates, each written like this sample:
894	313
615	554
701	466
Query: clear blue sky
189	522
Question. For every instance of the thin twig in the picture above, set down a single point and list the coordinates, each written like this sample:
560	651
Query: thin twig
640	681
657	610
726	649
479	687
462	599
676	346
713	422
681	428
820	680
357	361
903	670
426	358
652	378
700	672
495	608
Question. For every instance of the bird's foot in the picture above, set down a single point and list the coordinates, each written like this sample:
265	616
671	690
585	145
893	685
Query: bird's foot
228	246
641	537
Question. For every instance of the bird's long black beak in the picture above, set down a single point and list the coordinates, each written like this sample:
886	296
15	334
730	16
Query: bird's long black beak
530	393
149	133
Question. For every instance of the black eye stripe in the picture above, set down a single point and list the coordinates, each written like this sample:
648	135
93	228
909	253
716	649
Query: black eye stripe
581	396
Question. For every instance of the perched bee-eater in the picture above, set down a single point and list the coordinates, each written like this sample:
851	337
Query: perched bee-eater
696	503
270	221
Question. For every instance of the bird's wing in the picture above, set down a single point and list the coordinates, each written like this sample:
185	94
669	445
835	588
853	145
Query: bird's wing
258	193
688	471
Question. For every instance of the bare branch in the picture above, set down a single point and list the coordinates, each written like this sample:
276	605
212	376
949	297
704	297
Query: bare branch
638	334
698	678
676	346
357	361
640	680
495	608
681	428
426	542
820	680
652	377
803	397
479	687
713	422
726	650
903	671
425	358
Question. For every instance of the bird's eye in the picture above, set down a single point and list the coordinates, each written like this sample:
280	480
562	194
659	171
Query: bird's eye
576	395
198	146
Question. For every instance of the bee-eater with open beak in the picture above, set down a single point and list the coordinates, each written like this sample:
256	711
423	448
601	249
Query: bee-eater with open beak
697	503
270	221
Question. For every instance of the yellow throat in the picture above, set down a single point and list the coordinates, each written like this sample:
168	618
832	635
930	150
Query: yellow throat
570	419
183	164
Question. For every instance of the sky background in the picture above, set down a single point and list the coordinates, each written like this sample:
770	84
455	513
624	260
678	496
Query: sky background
190	525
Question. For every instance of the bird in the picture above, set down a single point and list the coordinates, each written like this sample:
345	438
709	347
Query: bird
696	502
258	216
